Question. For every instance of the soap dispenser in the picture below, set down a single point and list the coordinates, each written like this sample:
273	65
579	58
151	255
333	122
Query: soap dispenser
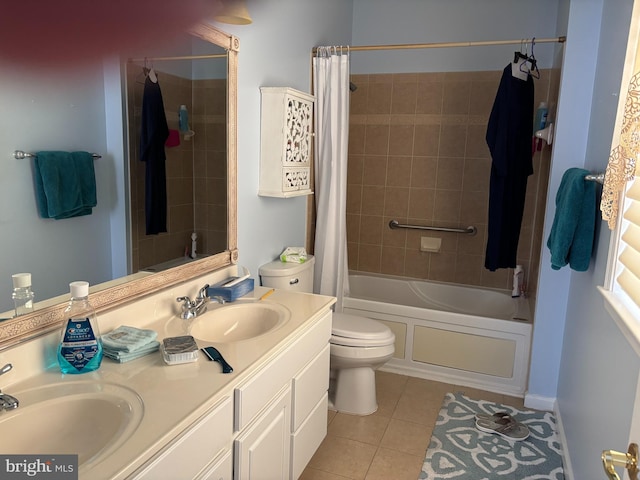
80	348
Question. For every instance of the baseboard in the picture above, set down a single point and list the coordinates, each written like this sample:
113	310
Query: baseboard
566	460
538	402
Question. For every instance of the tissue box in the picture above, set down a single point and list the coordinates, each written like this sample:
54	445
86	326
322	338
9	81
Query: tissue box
229	294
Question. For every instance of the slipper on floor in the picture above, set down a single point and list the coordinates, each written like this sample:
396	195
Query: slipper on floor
507	428
494	417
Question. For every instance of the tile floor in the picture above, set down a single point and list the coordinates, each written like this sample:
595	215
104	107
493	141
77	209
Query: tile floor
391	443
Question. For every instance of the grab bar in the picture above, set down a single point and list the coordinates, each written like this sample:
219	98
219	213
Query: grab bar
470	230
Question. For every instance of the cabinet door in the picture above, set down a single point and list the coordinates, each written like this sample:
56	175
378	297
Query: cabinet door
262	450
220	469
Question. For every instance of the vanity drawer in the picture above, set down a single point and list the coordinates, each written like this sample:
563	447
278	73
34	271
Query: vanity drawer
220	469
309	385
253	395
186	456
306	440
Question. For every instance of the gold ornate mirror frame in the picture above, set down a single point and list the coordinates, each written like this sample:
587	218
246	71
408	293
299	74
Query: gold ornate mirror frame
19	329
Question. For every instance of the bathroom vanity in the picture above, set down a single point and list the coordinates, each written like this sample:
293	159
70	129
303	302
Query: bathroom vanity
188	421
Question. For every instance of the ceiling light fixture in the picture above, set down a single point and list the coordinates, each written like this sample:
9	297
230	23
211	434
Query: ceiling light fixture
233	12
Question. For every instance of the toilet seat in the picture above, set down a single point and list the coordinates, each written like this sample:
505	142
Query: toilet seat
354	331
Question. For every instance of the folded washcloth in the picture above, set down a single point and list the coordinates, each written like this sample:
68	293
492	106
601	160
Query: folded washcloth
65	184
573	229
123	356
127	339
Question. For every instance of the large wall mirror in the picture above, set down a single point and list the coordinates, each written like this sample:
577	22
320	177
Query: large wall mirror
201	180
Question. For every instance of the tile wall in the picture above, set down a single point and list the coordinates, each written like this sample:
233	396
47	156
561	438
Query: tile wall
417	154
196	170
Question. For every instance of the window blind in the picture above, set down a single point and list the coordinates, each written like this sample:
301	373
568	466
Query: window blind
628	278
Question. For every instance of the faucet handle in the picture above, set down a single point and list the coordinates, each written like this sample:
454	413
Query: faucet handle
6	368
203	292
186	301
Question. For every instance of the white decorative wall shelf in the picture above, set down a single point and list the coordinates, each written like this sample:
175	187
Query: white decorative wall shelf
286	124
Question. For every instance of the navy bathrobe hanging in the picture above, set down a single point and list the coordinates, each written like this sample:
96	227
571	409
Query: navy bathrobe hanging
153	136
509	134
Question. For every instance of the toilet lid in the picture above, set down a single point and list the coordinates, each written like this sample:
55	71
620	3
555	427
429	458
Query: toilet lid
354	331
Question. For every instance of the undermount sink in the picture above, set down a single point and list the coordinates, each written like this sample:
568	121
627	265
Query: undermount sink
237	322
89	419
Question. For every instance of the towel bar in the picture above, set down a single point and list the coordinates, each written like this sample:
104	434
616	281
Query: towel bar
471	230
19	154
596	177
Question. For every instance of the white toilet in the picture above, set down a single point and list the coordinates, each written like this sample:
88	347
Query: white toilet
358	345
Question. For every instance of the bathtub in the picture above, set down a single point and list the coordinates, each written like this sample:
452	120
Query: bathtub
462	335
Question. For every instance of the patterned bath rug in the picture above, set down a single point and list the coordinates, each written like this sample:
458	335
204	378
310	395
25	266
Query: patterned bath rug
459	451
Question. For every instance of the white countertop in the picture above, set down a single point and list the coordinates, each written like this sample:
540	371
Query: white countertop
175	396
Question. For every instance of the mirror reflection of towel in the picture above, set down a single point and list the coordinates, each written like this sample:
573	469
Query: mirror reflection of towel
65	184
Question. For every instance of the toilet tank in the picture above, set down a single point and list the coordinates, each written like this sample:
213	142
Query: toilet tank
297	277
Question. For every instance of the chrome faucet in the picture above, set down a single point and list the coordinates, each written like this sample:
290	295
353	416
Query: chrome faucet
7	402
193	308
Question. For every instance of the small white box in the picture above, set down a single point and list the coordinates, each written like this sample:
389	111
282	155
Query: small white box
430	244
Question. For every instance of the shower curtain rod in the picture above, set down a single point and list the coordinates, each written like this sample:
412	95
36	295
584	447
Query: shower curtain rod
184	57
409	46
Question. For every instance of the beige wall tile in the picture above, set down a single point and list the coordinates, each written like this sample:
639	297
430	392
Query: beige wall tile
356	139
379	98
399	171
423	172
456	97
374	170
392	261
369	258
355	169
426	140
372	200
450	173
453	140
376	139
401	139
404	96
396	201
371	229
436	166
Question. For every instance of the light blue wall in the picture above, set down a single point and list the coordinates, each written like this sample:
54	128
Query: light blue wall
275	52
582	28
47	111
598	370
383	22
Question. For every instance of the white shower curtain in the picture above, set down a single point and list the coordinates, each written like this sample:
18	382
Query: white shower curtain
331	81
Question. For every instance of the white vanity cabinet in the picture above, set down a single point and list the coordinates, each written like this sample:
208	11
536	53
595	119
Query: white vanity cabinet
286	123
267	426
281	411
192	452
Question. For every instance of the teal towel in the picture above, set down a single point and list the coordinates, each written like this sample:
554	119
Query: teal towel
65	184
122	356
573	229
128	339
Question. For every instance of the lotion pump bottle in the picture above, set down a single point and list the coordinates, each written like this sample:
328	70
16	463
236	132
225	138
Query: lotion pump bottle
80	349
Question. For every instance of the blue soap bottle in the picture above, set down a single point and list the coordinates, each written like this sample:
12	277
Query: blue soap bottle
80	348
